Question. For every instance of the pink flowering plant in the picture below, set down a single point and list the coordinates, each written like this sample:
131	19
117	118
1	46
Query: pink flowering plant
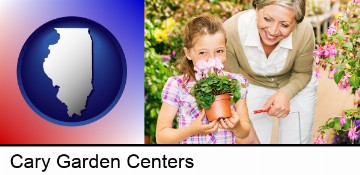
211	81
339	54
340	51
346	127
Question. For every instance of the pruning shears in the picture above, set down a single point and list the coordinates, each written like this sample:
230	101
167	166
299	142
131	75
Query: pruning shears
261	110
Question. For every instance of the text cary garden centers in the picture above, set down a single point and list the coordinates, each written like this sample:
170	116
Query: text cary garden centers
133	161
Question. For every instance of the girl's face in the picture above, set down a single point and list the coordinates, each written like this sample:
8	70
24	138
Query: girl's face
274	23
207	46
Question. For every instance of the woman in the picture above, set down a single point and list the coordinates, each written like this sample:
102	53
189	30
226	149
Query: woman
272	46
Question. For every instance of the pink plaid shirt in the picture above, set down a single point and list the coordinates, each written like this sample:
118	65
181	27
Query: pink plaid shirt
174	94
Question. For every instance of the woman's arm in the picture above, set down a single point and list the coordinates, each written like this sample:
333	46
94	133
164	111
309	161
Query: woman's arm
301	73
166	134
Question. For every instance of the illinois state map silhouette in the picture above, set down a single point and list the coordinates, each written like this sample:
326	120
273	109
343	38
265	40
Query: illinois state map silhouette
69	66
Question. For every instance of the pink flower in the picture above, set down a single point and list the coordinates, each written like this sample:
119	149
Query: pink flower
358	91
320	139
201	69
319	51
330	50
198	76
317	73
331	30
165	57
356	2
351	31
331	73
218	64
342	119
211	63
352	133
344	82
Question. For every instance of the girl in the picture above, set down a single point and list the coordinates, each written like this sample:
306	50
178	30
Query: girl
204	38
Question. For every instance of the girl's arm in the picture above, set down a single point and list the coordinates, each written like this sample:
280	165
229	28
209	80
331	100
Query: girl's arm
242	110
251	139
239	123
242	130
166	134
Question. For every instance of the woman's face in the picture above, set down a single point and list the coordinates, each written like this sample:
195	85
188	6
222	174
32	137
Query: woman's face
274	23
207	46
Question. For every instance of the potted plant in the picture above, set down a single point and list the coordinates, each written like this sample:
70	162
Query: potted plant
339	53
214	91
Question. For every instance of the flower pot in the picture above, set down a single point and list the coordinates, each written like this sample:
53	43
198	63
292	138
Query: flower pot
220	108
146	139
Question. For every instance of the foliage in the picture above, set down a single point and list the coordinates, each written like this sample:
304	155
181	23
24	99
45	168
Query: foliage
339	54
156	73
211	81
340	51
346	128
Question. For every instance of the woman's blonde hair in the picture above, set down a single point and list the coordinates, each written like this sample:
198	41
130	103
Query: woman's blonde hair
297	5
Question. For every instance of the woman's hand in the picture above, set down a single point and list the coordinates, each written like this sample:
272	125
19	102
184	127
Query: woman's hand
279	104
197	127
230	123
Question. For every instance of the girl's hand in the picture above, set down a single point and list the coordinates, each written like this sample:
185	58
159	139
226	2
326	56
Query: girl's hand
199	128
230	123
280	105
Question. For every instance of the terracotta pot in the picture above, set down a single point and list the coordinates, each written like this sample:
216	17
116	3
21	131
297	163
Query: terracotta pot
220	108
146	139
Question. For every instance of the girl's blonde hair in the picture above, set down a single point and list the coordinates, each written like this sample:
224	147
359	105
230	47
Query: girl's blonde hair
196	27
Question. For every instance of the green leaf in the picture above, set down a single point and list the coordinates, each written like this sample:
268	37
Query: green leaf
357	116
193	90
325	127
336	119
337	126
348	122
338	76
346	126
243	85
354	81
357	26
339	67
349	45
331	124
